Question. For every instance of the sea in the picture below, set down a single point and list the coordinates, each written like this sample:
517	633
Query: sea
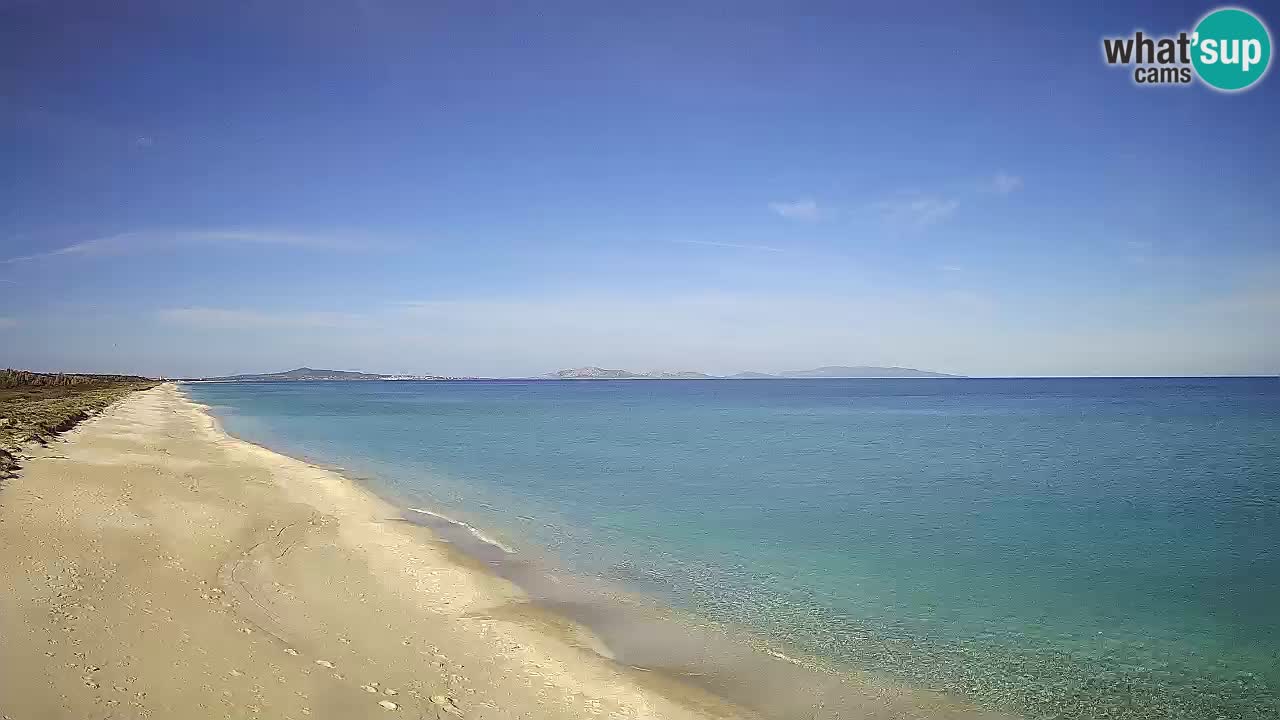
1048	548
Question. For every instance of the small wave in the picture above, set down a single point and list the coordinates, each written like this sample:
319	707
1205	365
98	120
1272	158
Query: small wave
785	658
469	527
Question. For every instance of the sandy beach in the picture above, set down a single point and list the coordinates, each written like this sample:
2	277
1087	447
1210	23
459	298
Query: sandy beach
156	567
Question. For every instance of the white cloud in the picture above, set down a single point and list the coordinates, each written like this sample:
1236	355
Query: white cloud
804	210
919	211
1004	183
141	241
6	323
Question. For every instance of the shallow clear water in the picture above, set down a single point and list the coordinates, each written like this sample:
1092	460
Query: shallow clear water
1074	548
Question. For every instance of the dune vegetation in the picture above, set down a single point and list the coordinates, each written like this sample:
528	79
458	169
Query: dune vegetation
35	407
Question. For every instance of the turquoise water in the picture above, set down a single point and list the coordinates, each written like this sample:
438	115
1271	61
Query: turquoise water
1062	548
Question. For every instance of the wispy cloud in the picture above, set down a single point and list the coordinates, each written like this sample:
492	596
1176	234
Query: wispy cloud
804	210
708	331
918	209
735	246
6	323
141	241
235	319
1003	183
917	212
108	244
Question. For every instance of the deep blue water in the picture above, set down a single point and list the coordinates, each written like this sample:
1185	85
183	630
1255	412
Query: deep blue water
1075	548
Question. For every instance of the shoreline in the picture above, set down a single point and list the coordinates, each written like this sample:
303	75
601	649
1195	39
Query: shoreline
558	625
159	567
651	641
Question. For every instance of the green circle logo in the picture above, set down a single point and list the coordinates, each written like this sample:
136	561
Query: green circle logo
1232	49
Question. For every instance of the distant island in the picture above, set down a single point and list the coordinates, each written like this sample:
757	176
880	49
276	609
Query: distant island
856	371
594	373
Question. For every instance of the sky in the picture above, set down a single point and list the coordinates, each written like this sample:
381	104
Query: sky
506	188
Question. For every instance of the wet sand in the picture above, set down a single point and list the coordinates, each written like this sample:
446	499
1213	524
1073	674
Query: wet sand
676	647
156	567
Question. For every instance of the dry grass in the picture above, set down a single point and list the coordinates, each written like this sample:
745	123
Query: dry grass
35	407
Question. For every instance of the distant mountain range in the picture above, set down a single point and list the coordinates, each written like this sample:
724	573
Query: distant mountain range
856	371
597	373
829	371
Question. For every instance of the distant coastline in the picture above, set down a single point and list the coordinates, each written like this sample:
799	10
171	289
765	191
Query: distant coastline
313	374
593	373
827	371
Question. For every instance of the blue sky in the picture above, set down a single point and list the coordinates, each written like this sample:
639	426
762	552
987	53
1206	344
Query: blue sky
476	189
